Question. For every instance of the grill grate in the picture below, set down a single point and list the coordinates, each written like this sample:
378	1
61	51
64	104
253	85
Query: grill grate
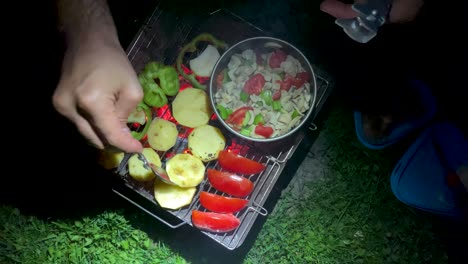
274	155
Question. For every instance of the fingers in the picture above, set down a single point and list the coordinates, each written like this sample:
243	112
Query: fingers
338	9
128	99
85	128
66	106
108	121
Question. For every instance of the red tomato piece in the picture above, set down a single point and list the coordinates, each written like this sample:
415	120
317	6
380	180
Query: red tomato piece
214	222
287	83
238	164
296	81
221	204
300	79
230	183
277	58
303	76
276	96
264	131
255	84
237	117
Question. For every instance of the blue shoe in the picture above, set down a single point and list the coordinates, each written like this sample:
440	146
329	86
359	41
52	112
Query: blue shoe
400	130
425	177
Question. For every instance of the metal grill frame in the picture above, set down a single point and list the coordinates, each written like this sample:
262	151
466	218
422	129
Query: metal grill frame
143	49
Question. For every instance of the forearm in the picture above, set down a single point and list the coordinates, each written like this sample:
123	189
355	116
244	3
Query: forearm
85	21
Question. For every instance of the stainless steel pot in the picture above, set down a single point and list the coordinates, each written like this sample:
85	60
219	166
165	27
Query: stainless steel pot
263	45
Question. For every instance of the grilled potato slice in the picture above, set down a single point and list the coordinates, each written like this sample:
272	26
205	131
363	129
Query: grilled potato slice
162	134
110	160
136	169
205	142
171	196
185	170
191	108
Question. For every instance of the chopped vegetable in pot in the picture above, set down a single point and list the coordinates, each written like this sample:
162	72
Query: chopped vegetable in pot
264	100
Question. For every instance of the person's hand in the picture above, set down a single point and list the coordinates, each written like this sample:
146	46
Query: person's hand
97	91
402	10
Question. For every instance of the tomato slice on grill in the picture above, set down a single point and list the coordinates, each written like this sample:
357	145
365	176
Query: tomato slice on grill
221	204
230	183
238	164
214	222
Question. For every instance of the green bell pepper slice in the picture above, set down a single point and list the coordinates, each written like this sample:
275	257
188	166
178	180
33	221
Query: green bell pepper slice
152	68
168	80
143	107
244	97
266	97
259	119
154	95
276	105
223	112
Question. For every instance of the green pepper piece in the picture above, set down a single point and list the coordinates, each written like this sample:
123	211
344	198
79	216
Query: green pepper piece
246	118
266	97
152	68
192	47
143	107
244	97
259	119
276	105
223	112
154	95
246	131
142	79
226	77
294	114
168	80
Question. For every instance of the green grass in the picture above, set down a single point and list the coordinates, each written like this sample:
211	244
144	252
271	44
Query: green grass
348	216
105	238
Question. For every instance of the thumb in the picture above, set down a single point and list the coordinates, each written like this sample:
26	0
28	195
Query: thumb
338	9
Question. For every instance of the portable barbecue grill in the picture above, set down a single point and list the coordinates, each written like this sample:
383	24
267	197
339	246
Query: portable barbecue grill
157	40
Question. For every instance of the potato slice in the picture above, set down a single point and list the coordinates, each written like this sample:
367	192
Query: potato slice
162	134
185	170
136	169
191	108
110	160
171	196
205	142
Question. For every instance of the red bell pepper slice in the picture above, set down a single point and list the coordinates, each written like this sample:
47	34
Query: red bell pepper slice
230	183
237	117
238	164
214	222
255	84
264	131
221	204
